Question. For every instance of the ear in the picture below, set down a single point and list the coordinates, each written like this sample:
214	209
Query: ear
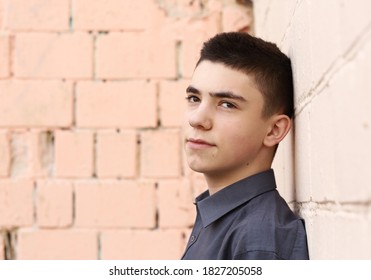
280	126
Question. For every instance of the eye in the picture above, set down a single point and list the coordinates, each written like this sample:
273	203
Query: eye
228	105
192	99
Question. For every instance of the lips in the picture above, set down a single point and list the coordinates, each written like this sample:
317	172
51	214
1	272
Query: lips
199	143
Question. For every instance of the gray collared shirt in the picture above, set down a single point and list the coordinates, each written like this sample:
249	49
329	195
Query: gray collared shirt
246	220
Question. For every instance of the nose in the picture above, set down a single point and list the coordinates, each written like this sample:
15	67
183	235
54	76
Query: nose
200	117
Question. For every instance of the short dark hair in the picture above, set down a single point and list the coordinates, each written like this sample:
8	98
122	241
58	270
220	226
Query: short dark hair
269	67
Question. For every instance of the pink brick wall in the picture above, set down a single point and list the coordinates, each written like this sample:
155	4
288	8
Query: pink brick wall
91	158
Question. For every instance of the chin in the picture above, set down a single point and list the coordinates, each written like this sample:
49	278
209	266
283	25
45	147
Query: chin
196	167
200	168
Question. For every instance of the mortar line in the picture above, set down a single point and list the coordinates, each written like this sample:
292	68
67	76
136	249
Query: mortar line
298	3
70	18
334	68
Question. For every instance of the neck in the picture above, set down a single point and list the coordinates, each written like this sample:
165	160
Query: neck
217	182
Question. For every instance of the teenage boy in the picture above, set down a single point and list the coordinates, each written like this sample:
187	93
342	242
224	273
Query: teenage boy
240	106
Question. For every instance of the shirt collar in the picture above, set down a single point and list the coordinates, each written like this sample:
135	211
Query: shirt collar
217	205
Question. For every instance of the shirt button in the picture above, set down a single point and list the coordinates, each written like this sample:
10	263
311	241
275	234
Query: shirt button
193	238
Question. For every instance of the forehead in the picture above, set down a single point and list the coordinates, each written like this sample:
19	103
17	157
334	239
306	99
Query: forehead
213	77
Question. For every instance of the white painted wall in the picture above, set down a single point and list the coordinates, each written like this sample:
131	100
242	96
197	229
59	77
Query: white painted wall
324	167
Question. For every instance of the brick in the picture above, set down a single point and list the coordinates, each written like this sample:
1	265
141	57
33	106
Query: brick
175	204
116	15
237	18
303	156
73	154
327	21
172	102
116	104
117	154
50	55
31	154
183	9
301	53
273	20
142	245
20	155
57	245
260	9
332	229
35	104
118	204
4	154
54	203
16	203
37	15
136	55
4	56
2	247
354	20
34	154
160	154
2	14
193	35
324	181
351	133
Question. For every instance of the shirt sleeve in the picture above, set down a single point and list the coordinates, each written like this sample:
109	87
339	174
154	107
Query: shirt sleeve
300	249
257	255
292	246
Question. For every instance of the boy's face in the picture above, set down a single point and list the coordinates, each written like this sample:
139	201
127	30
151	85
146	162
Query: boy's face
225	130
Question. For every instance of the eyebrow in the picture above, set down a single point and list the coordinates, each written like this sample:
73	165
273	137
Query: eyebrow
222	94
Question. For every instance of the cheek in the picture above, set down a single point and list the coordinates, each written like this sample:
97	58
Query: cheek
244	142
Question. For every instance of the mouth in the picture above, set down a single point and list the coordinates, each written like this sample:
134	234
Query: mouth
198	143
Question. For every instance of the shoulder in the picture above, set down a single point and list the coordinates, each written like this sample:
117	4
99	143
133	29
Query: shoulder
267	227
